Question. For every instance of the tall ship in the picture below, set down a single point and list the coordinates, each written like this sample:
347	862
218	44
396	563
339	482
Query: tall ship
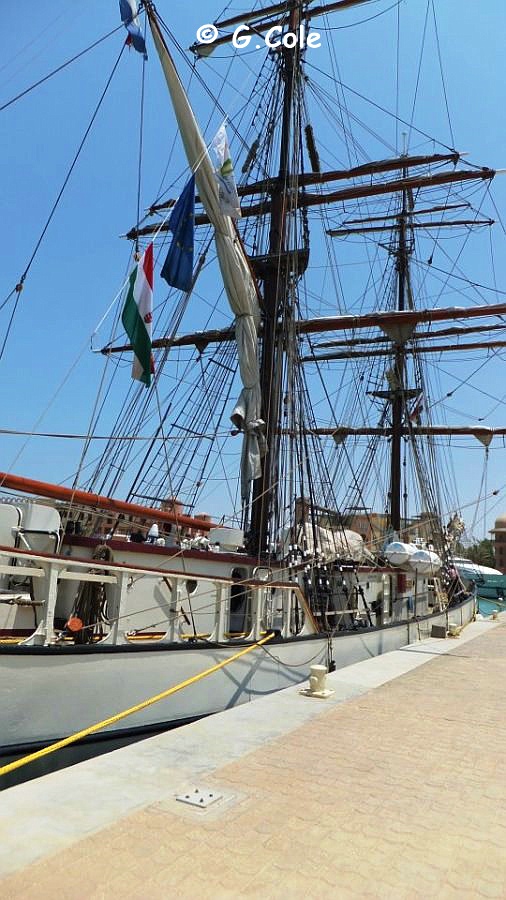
272	488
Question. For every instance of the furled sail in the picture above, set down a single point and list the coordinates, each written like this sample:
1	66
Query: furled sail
238	279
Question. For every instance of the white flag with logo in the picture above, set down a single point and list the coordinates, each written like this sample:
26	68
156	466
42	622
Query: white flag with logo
224	171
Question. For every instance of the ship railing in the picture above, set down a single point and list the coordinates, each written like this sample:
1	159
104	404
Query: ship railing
272	602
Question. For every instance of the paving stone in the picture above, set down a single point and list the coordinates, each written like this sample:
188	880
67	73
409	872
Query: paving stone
397	793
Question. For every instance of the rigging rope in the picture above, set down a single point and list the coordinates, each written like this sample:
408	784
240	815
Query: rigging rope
73	164
59	68
420	60
8	297
58	198
482	496
11	320
384	110
436	32
388	9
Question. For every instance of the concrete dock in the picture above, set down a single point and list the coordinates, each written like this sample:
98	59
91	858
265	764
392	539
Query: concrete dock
395	787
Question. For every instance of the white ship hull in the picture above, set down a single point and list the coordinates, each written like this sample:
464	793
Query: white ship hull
50	692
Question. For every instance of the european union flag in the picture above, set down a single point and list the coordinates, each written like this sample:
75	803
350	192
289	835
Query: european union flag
178	267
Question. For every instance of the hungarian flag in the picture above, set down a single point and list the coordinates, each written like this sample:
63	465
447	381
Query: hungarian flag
138	315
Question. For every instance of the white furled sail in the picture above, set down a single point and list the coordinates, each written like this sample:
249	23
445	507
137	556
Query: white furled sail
238	279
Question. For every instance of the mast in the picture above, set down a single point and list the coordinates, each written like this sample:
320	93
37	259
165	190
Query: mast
397	398
274	296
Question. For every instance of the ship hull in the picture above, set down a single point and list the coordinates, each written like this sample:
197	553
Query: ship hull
47	693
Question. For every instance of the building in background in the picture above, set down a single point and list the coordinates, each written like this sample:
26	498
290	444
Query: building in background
498	533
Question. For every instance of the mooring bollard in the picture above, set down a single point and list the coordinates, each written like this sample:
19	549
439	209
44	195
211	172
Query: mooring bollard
317	679
317	683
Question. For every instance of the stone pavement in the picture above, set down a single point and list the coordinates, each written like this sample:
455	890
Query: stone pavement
395	792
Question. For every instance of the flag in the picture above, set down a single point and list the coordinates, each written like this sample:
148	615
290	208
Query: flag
414	415
178	267
128	12
224	172
138	315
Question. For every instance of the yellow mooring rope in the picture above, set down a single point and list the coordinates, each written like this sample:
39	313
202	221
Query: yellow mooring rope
127	712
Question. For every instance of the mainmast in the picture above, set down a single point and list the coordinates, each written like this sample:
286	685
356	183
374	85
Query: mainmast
274	297
398	393
398	386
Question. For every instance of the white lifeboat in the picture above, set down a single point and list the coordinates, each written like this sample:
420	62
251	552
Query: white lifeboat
425	562
398	553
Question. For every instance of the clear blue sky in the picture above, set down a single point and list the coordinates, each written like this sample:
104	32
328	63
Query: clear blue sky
82	261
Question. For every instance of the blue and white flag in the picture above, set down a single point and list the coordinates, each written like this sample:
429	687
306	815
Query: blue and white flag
178	267
128	12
